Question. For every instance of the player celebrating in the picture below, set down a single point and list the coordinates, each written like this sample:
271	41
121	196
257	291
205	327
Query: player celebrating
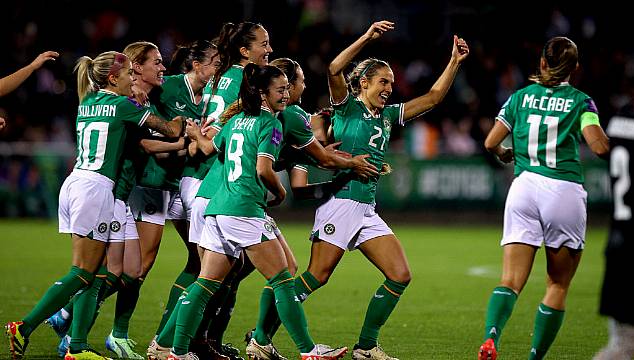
104	85
546	203
362	122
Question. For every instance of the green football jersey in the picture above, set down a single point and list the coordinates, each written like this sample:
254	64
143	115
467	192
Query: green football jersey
215	104
297	135
178	99
211	180
362	132
101	123
132	159
174	98
244	139
227	92
545	123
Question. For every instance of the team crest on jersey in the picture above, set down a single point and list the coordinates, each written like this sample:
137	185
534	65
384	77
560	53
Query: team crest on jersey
115	226
102	228
150	209
329	229
387	124
180	107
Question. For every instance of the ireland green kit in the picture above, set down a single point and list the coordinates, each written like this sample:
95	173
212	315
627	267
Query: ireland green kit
102	119
362	132
297	135
227	92
244	139
178	99
545	123
174	98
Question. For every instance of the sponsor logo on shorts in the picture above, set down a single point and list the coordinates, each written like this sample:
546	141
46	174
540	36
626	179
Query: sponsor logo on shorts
115	226
268	227
103	227
329	229
150	209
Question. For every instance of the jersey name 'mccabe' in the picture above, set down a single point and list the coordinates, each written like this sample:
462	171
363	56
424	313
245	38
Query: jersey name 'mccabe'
545	123
362	132
102	118
244	139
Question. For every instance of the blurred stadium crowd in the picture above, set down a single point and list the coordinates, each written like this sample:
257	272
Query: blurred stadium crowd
505	47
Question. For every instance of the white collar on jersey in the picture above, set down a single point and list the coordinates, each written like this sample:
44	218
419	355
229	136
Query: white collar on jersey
376	114
109	92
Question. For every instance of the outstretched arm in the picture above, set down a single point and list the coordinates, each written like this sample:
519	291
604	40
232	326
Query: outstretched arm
11	82
331	160
438	91
336	80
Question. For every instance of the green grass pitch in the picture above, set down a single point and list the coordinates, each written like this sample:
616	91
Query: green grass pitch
440	316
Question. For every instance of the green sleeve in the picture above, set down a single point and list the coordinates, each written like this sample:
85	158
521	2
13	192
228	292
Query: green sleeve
270	139
218	140
297	130
395	113
130	112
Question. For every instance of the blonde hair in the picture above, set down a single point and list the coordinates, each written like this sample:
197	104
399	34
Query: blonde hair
92	74
137	51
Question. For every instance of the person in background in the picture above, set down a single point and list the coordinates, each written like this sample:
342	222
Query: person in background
616	302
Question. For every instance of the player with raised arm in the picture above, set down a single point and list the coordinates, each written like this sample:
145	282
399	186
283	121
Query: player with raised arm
362	123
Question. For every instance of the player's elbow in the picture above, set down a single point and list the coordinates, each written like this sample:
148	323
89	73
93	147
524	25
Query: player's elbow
601	149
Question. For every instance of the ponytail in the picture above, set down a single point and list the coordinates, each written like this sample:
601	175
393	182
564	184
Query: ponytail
255	81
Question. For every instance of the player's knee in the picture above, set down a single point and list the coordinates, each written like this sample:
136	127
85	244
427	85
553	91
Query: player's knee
321	276
292	267
403	276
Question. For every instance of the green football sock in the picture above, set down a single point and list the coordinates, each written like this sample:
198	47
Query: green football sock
547	323
267	307
181	283
213	307
220	322
166	337
110	286
56	297
291	311
191	313
84	312
305	284
127	299
499	310
381	306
